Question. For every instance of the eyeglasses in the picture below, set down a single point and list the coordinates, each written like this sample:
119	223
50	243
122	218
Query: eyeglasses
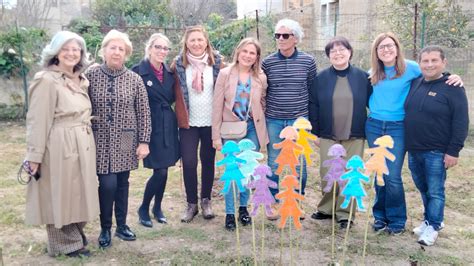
162	48
389	46
74	50
340	51
285	36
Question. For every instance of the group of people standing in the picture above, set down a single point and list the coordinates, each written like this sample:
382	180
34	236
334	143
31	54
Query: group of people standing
87	128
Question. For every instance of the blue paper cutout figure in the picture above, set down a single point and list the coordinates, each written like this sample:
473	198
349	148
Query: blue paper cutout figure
354	187
337	167
231	162
251	158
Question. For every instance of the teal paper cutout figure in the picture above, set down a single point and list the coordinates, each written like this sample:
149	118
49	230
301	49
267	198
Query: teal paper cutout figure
251	158
354	187
231	162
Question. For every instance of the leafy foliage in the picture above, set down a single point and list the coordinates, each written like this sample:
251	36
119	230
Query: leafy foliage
90	31
439	22
31	41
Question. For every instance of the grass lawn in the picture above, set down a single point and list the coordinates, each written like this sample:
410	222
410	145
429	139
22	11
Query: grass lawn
205	242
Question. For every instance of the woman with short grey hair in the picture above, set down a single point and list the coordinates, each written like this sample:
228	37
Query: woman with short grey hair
121	129
61	148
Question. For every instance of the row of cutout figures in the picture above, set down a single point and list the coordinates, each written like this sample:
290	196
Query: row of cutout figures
242	167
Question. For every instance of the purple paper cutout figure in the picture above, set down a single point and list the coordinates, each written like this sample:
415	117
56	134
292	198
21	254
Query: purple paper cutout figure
354	186
231	162
337	167
251	158
262	194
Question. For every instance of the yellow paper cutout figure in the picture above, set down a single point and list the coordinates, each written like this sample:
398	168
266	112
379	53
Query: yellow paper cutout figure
288	151
289	205
377	163
304	135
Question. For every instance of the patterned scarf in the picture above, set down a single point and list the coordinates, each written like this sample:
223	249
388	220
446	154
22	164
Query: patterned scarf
198	63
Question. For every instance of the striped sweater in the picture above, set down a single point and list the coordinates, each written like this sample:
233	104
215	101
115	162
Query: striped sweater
289	80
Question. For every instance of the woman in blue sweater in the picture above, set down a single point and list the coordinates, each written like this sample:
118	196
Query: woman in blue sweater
391	76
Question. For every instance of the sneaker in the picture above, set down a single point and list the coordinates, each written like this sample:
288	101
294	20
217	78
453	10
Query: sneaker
421	228
429	236
230	222
379	226
395	231
244	217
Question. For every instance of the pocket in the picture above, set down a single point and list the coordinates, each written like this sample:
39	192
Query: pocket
128	140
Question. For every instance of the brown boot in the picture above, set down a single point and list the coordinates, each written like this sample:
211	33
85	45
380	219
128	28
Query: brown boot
275	209
207	209
189	213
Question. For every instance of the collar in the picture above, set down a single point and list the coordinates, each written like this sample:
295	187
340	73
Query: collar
293	56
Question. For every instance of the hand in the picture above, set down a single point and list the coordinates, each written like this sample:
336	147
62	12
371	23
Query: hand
455	80
450	161
34	167
217	145
142	151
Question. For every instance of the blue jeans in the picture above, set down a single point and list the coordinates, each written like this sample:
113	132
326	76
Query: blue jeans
429	175
389	206
274	127
244	196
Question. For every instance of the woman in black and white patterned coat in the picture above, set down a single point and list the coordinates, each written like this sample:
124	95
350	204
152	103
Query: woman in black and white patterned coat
122	128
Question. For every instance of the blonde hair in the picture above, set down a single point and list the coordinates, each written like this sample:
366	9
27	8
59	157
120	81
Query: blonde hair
152	39
209	49
256	67
116	35
377	72
49	56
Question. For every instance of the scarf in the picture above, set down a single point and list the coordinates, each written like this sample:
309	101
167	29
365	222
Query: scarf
198	63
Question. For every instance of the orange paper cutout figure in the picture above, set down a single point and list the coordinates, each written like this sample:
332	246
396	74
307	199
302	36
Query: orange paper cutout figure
377	163
289	206
303	125
288	151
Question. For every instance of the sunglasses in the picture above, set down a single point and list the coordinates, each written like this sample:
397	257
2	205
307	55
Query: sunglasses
284	35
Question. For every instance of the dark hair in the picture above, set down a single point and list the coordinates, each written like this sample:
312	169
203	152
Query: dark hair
432	48
338	40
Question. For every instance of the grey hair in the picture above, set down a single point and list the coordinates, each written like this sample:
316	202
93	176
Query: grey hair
51	51
116	35
293	25
152	39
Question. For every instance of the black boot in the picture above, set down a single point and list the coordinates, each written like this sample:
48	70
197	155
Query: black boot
144	217
159	216
105	239
244	217
123	232
230	222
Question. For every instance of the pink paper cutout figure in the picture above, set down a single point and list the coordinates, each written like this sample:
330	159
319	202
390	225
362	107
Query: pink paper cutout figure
231	162
354	186
377	163
288	151
337	167
289	206
262	194
251	158
303	125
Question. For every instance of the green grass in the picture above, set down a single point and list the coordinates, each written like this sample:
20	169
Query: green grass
207	243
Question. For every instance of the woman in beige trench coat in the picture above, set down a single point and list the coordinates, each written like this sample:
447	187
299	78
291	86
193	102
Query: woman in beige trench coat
60	146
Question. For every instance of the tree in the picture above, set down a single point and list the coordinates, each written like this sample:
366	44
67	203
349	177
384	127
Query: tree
121	13
193	12
437	22
33	13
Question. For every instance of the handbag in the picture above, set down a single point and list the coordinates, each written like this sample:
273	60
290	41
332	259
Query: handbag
235	129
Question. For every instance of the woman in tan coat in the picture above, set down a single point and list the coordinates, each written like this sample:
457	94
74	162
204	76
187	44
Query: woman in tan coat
61	148
239	95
